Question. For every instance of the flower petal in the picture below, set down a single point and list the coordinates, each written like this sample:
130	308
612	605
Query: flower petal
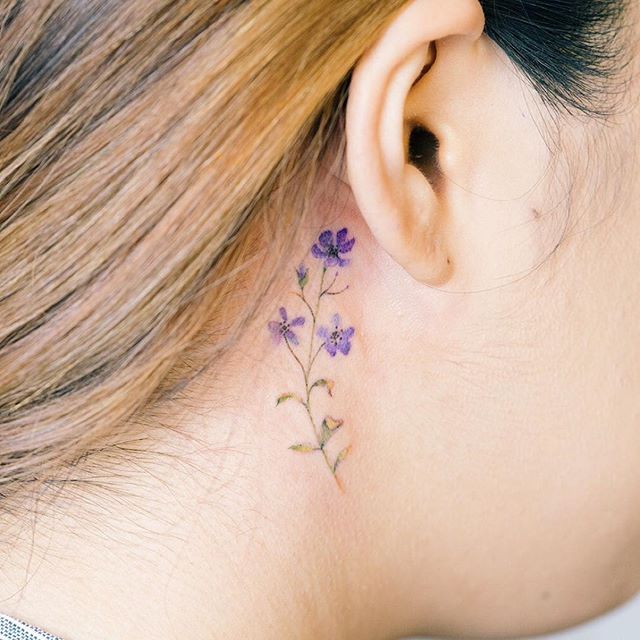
283	314
331	348
317	252
323	333
276	333
345	347
342	262
297	322
331	261
346	246
274	327
337	320
348	333
326	238
341	236
292	337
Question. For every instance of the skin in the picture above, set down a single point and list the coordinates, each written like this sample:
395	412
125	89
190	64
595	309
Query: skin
491	396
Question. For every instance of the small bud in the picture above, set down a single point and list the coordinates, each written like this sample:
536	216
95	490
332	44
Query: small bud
332	423
303	276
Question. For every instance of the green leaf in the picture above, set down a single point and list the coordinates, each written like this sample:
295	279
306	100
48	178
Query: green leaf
323	382
284	398
326	433
341	456
303	448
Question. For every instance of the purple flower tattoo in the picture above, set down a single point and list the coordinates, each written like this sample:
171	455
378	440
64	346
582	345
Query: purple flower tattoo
336	338
282	328
333	338
329	250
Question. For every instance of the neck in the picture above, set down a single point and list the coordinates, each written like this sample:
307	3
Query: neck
210	525
215	533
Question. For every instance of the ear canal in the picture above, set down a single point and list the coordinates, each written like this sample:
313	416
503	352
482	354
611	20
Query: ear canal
423	147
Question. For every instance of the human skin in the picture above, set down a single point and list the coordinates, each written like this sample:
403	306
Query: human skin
490	396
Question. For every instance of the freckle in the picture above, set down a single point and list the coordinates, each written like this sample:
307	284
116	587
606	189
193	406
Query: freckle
536	213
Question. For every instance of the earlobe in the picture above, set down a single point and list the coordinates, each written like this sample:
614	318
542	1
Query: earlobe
398	200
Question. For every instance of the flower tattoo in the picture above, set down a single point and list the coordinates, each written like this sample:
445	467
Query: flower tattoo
328	250
336	338
282	328
332	337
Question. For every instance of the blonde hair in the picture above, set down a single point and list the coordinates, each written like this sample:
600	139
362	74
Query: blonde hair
142	145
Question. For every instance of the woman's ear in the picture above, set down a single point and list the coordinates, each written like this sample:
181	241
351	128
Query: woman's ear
398	142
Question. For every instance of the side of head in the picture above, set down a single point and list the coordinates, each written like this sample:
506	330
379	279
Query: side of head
166	166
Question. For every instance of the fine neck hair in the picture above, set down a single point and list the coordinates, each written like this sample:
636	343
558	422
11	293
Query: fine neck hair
211	513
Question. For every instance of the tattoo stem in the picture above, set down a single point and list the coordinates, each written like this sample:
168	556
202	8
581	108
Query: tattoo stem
317	354
337	293
295	357
314	315
306	371
324	291
304	299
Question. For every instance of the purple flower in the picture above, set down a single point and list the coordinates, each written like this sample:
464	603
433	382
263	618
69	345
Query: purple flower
282	329
329	250
303	276
336	338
